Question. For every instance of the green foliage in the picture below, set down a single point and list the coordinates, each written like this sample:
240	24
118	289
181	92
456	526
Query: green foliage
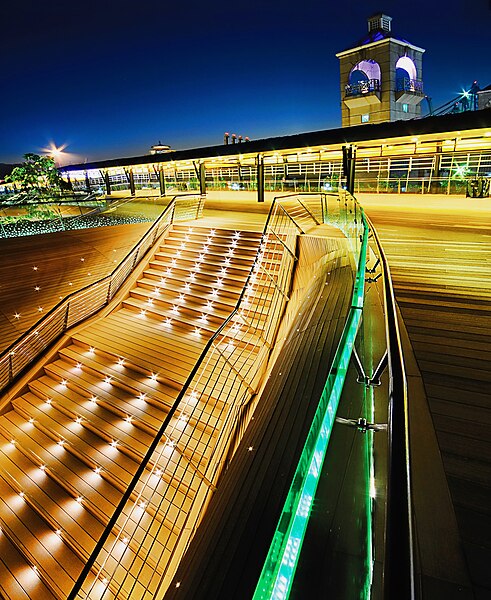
35	173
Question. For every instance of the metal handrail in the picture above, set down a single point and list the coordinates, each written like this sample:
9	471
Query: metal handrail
31	343
222	444
400	552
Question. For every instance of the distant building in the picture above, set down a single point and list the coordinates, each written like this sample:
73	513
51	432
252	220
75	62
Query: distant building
160	148
380	76
484	98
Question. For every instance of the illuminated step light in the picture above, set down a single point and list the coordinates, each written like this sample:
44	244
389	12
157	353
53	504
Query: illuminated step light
212	232
34	268
82	259
183	245
237	235
128	419
183	419
214	292
206	247
92	350
163	280
143	312
190	230
49	400
170	444
201	258
37	288
219	281
156	291
58	531
230	253
17	315
97	470
142	396
64	382
209	304
78	365
78	420
150	301
203	318
113	444
209	240
187	238
31	420
173	262
187	287
175	309
125	539
61	442
22	494
192	276
226	262
107	379
40	309
12	442
234	244
223	271
167	321
93	399
153	376
79	499
142	504
182	297
168	271
158	472
42	467
197	331
120	362
178	254
70	283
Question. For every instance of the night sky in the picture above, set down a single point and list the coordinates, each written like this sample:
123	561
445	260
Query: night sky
111	78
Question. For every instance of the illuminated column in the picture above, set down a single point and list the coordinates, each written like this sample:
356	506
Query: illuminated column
131	180
202	179
162	181
107	182
260	177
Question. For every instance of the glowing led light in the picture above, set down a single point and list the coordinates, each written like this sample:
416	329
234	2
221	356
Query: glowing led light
107	379
150	301
153	376
175	309
190	230
212	232
142	504
203	318
78	365
82	259
93	399
48	400
125	539
61	442
142	396
187	238
156	291
168	271
40	309
143	312
12	442
37	288
64	382
17	315
79	499
201	258
230	253
42	467
214	293
197	331
78	420
163	280
34	268
70	283
183	418
168	321
170	444
113	444
237	235
209	240
31	420
192	276
128	419
173	262
206	247
183	245
58	532
120	362
21	494
227	262
182	297
97	470
92	350
158	472
223	271
219	281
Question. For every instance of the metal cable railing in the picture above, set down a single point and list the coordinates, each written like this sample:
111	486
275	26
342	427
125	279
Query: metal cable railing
87	301
158	513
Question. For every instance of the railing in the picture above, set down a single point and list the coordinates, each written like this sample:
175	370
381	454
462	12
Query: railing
398	553
363	87
85	302
409	85
182	460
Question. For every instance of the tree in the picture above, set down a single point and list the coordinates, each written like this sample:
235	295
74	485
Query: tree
36	172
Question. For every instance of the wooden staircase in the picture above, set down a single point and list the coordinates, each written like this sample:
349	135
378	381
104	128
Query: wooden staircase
72	442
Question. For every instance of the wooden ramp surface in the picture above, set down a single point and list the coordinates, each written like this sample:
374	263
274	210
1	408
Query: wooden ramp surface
441	267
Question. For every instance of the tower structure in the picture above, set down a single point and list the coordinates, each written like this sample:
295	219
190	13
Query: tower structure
380	76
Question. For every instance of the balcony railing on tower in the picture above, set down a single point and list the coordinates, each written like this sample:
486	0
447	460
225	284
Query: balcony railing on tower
362	87
409	85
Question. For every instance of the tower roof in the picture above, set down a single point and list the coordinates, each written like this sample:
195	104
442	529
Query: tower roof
379	28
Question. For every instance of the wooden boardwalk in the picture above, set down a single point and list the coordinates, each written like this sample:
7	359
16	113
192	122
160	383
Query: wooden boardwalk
37	271
440	259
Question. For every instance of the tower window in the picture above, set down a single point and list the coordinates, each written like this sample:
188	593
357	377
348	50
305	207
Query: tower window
366	118
405	108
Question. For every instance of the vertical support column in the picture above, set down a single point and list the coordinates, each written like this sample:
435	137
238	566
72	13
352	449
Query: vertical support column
107	182
162	181
87	182
202	179
131	179
349	158
260	177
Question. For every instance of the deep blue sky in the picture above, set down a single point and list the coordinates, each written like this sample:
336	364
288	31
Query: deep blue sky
111	78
